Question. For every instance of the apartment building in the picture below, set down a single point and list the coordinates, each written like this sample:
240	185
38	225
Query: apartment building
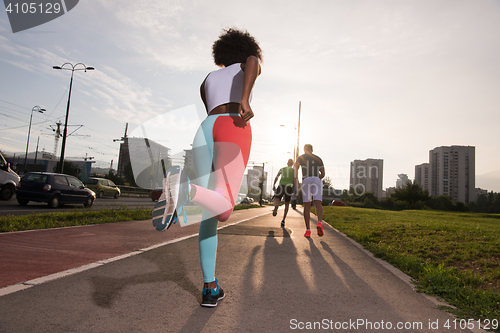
402	180
452	172
422	175
367	176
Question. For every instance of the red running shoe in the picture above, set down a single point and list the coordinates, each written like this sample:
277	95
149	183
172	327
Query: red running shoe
319	226
307	234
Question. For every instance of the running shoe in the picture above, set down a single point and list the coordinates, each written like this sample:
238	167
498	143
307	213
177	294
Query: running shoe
164	213
319	226
184	194
275	210
283	223
211	296
307	234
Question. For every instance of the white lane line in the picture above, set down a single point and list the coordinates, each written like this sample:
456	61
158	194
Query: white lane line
34	282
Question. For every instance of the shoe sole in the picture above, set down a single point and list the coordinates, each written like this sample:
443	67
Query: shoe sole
275	212
209	305
163	219
320	230
159	222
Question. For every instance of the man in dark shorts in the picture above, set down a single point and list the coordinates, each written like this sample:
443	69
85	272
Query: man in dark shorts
285	188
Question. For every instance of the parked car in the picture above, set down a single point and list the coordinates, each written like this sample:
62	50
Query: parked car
155	194
247	200
103	187
8	180
337	203
54	189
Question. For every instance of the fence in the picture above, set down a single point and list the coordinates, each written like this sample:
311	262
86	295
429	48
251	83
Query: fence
130	191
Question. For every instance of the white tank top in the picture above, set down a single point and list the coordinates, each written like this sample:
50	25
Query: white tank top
224	86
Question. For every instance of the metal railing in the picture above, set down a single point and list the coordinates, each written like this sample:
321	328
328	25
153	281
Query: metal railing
134	191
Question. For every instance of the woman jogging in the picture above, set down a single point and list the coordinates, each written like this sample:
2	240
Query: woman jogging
221	149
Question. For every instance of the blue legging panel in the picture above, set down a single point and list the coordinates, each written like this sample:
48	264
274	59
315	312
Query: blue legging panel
203	156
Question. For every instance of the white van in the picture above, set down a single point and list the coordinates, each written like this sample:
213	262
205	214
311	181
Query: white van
8	180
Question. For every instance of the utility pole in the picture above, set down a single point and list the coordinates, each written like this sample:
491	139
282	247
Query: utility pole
261	184
298	135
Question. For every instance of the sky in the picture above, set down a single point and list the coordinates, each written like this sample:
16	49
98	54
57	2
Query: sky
389	80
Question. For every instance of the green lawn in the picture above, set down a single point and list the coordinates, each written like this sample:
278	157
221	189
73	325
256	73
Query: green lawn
455	256
82	216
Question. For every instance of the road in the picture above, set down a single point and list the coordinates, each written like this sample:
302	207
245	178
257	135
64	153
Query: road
11	207
127	277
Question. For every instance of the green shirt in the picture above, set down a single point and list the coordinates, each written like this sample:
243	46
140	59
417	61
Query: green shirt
286	176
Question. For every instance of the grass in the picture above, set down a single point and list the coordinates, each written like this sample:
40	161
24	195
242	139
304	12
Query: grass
81	216
455	256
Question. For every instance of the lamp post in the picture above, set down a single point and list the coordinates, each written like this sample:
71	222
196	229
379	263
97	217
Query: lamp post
297	134
38	109
294	152
72	68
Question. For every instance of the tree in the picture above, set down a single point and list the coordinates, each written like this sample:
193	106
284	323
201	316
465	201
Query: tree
327	182
114	178
410	194
442	202
69	168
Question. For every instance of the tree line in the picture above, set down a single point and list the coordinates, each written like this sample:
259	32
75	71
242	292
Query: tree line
413	196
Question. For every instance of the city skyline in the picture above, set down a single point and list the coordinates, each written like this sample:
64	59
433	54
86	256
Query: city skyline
384	80
365	175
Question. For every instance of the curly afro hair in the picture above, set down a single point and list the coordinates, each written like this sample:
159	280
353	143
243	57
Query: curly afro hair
235	46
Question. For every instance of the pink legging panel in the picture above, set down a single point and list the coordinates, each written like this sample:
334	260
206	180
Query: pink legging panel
232	139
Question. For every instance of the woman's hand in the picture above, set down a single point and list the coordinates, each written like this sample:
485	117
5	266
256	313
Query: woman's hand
246	112
252	70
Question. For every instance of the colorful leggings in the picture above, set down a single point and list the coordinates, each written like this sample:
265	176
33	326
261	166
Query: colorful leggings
221	149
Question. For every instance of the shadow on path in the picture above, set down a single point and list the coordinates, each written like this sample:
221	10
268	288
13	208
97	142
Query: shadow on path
107	289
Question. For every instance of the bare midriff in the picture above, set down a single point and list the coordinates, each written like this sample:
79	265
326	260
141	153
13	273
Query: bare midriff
226	108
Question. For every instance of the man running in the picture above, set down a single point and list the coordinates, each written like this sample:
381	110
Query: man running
313	171
285	188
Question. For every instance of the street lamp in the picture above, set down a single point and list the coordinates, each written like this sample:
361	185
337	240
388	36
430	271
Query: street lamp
71	68
38	109
297	132
295	151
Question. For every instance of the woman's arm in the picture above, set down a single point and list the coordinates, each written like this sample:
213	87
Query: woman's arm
252	70
203	94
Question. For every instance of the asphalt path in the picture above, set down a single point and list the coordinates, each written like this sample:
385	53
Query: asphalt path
141	280
11	207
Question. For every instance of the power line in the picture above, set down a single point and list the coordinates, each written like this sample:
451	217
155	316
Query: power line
11	128
1	100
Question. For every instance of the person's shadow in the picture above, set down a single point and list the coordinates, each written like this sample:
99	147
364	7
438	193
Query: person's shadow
107	289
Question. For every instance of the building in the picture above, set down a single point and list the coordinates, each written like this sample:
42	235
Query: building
188	158
389	191
422	175
43	161
123	158
402	181
367	176
480	192
149	161
452	172
255	176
